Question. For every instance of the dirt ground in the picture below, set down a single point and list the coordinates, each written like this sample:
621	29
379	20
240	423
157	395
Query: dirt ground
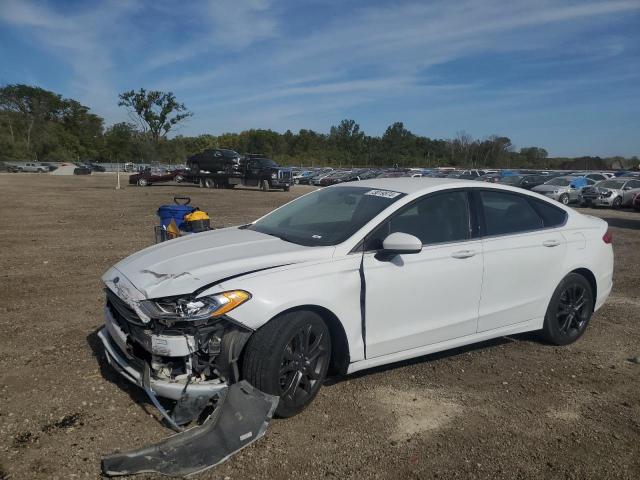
511	408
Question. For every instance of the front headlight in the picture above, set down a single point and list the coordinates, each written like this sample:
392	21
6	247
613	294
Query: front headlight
194	309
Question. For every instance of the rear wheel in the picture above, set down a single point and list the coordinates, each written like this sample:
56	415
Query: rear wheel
289	357
209	183
564	199
569	311
617	202
179	178
142	182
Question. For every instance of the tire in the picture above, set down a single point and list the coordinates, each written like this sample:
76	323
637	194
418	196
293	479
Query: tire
564	199
569	310
179	178
264	185
209	183
276	361
286	189
617	203
142	182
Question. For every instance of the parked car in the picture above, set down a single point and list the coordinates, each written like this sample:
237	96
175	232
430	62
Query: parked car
616	193
34	167
347	278
524	181
335	177
466	174
309	179
151	176
493	177
564	189
82	170
631	174
96	167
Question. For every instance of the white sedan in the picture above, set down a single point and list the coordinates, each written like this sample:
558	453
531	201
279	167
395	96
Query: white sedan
347	278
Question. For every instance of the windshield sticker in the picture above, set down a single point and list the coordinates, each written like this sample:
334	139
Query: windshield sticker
383	193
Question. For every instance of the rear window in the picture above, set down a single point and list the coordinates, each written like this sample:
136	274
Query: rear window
506	213
551	216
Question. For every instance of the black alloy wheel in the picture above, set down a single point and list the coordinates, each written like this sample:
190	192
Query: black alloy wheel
303	361
573	310
289	357
569	311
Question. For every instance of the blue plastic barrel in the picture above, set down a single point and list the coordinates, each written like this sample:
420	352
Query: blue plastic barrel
174	212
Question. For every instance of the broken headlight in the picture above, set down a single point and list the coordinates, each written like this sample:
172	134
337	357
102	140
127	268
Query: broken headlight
203	308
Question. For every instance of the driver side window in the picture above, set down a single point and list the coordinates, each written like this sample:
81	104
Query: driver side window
436	218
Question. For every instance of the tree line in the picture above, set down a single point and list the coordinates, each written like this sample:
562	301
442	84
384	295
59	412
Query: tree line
37	124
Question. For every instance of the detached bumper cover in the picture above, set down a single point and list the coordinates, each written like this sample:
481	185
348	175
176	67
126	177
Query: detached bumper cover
240	418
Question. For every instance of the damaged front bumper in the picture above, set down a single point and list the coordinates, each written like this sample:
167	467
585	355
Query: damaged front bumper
115	341
195	366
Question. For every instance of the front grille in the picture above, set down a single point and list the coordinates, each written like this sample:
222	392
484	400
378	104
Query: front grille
122	312
284	175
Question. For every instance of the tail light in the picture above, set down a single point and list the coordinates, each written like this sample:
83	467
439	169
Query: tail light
608	237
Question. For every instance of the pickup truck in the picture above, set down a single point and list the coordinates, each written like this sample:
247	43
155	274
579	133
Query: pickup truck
28	167
221	168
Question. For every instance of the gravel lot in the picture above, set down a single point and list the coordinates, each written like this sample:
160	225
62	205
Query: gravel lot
508	408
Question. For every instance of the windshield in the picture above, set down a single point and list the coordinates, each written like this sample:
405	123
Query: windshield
614	184
326	217
559	182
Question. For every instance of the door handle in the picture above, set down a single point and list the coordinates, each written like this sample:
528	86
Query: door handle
463	254
551	243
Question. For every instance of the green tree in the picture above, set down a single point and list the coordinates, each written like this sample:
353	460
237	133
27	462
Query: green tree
348	140
155	112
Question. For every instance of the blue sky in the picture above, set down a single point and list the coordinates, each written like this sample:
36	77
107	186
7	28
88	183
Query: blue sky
564	75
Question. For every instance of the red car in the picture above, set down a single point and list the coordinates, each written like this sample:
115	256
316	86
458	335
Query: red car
148	177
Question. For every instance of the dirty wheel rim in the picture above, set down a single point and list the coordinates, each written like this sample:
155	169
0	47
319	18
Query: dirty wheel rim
303	361
573	310
564	199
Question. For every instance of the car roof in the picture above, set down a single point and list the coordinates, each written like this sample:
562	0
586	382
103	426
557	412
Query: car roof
410	185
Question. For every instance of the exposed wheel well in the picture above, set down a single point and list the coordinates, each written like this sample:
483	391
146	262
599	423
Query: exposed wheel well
339	344
586	273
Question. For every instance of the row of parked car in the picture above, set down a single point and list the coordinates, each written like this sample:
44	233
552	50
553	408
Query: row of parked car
587	188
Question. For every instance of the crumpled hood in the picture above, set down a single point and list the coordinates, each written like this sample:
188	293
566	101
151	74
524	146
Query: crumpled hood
183	265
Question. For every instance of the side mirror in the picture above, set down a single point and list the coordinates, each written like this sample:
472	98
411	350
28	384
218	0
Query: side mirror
627	188
399	243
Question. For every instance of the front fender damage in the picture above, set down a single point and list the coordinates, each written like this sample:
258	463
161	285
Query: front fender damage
241	417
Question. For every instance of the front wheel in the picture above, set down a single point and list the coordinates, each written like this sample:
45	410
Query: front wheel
569	311
289	357
142	182
617	202
179	178
285	189
264	185
564	199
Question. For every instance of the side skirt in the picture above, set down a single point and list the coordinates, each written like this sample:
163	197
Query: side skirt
528	326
